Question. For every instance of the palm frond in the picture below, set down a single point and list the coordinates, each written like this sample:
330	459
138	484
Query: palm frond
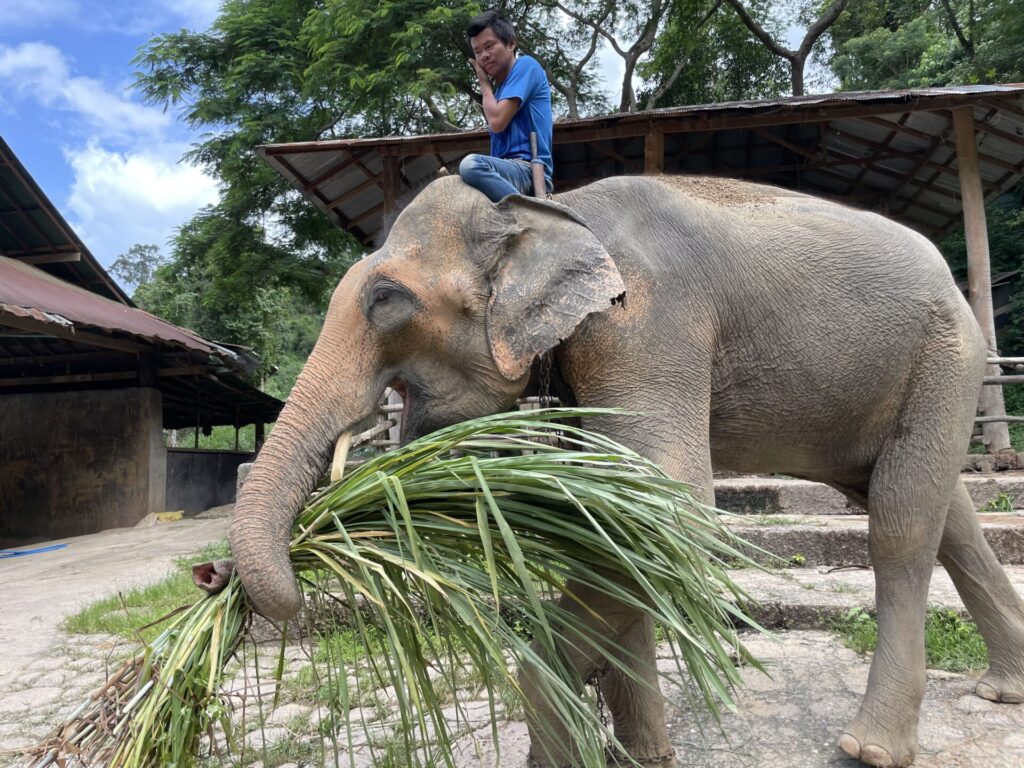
455	543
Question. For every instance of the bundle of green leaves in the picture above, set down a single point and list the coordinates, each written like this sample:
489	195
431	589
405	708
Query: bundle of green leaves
452	545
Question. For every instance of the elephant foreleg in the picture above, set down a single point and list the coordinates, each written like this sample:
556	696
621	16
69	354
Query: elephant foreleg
605	629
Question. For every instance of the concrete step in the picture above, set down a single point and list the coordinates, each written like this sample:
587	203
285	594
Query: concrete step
782	495
815	597
838	540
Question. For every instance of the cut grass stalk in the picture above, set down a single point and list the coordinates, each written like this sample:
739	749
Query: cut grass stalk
451	544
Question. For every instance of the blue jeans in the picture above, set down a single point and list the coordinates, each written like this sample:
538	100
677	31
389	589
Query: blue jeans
497	177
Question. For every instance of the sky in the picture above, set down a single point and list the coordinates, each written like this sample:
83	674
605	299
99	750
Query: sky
109	162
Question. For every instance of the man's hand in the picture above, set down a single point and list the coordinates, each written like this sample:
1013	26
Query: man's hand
498	114
480	74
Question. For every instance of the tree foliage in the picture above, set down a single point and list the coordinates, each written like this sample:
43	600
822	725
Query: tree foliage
707	54
910	43
138	265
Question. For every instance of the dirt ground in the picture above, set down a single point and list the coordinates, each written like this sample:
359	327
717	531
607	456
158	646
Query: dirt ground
791	717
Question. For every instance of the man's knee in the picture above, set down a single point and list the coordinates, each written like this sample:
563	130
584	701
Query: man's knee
471	167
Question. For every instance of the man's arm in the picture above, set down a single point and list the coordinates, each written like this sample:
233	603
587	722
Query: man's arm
498	114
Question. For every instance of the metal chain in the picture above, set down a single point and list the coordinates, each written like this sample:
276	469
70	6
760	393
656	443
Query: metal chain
598	696
544	393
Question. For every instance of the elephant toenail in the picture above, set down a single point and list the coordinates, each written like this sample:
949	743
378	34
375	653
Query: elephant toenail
849	745
872	754
986	691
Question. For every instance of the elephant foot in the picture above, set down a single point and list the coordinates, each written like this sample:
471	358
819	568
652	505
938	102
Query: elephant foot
666	759
615	759
1000	687
879	746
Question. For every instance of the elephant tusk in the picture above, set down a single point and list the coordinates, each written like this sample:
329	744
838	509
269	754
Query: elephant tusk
340	454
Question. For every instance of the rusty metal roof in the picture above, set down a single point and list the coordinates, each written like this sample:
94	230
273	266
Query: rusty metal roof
55	335
65	324
890	151
33	231
27	292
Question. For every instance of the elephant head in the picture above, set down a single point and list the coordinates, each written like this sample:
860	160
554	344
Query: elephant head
451	311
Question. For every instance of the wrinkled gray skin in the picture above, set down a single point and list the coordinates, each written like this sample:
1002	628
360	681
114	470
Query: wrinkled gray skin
761	330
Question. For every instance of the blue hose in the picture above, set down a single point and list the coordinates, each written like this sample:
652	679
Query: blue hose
4	553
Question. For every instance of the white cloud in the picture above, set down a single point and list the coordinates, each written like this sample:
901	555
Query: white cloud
196	14
120	199
14	15
40	72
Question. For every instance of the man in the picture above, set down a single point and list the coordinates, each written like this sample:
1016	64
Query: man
517	101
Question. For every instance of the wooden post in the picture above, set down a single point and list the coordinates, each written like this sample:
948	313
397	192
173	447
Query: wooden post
979	279
260	435
392	181
654	151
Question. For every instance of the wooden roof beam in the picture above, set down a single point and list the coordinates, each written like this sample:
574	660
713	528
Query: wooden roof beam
361	187
924	136
923	157
625	161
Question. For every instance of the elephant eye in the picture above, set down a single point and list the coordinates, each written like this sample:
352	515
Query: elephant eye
381	295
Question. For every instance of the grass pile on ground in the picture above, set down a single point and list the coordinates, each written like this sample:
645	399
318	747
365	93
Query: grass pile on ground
451	546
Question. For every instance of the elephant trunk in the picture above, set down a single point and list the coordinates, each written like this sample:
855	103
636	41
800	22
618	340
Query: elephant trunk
322	408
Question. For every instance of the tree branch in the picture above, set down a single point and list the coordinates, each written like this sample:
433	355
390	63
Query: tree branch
759	32
438	115
683	61
595	25
818	28
967	45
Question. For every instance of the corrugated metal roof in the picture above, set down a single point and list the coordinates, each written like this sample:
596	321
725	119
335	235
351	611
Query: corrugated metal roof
55	335
33	230
65	324
890	151
28	292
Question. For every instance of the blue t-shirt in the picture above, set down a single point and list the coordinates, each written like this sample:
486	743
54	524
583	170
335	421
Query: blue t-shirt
527	82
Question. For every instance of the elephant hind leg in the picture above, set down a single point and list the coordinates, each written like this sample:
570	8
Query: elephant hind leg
990	598
606	629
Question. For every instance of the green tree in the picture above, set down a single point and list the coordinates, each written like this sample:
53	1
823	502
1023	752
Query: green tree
706	54
138	265
909	43
228	281
817	21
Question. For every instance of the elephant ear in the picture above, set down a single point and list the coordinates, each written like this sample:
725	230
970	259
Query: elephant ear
550	272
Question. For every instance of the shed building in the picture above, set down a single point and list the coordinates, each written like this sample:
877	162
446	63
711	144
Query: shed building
88	382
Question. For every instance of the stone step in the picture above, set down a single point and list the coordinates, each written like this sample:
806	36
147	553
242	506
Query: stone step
838	540
783	495
815	597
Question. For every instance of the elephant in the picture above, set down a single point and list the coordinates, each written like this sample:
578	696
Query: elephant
756	329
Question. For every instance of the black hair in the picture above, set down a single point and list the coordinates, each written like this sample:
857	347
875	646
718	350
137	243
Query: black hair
493	20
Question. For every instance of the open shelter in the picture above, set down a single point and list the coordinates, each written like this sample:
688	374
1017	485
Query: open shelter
88	382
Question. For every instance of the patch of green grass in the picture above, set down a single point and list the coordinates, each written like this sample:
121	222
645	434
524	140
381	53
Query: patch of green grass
954	644
951	643
842	588
858	630
1002	502
126	612
766	519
